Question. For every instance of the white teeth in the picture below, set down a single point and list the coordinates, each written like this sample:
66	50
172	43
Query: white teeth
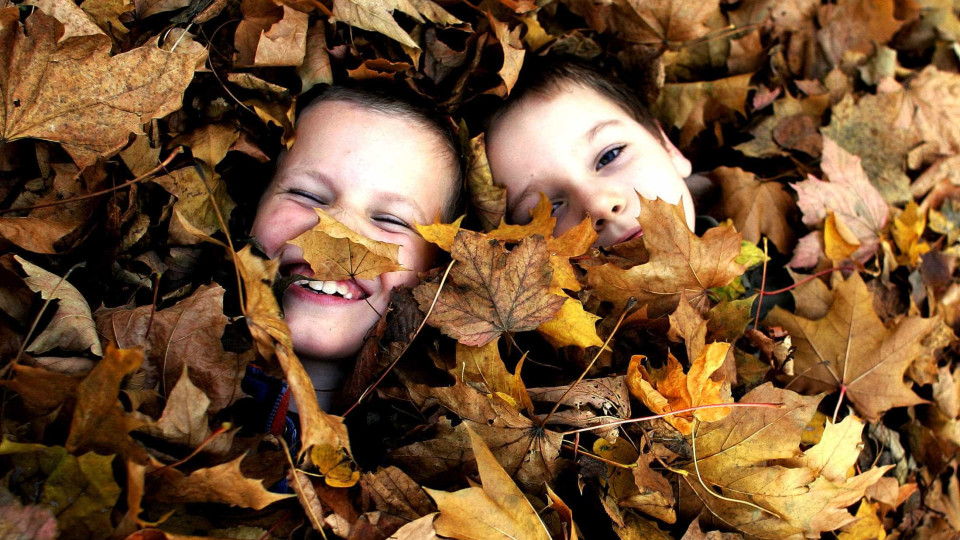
316	285
326	287
329	287
342	289
301	282
348	296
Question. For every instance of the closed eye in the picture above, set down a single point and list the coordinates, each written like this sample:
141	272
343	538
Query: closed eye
391	220
609	156
312	197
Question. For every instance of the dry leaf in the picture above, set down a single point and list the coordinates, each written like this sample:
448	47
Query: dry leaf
187	333
489	200
337	253
197	190
758	208
498	509
849	195
86	100
71	328
224	483
681	264
99	421
690	107
851	350
492	290
270	34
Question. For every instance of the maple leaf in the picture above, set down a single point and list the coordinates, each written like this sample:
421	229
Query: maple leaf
270	34
929	110
224	483
691	106
482	366
662	22
187	333
396	493
753	456
81	488
769	135
498	509
71	327
849	194
673	390
523	447
337	253
492	290
865	129
513	53
637	486
86	100
757	208
99	421
850	349
681	264
199	193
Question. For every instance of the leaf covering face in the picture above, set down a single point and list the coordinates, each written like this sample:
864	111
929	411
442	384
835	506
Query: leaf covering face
377	174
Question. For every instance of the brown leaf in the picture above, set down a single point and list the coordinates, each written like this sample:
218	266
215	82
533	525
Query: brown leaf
850	349
865	129
270	34
307	495
396	493
483	368
930	110
681	264
184	420
789	109
99	421
209	144
592	402
187	333
376	17
106	14
849	195
489	200
758	208
692	106
497	510
527	451
224	483
418	529
513	53
492	290
81	489
146	8
858	25
42	391
71	327
638	486
75	21
337	253
652	23
194	202
321	433
801	493
315	68
86	100
33	521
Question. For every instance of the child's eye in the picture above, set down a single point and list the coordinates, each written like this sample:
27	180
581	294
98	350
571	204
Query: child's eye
556	206
316	199
391	220
608	157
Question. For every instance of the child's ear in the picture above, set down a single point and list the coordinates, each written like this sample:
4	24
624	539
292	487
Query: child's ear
679	160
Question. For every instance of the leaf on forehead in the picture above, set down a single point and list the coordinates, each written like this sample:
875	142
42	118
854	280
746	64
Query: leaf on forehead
337	253
681	263
492	290
851	348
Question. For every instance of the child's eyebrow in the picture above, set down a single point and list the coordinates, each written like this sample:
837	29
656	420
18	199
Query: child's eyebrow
398	199
591	134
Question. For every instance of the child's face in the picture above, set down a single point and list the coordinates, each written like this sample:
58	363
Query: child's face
589	157
376	173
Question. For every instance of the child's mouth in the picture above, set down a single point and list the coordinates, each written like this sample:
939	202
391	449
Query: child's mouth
344	289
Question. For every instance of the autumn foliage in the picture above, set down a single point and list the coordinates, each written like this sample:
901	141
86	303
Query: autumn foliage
785	372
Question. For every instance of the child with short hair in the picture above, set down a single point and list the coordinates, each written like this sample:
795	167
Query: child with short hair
379	163
589	144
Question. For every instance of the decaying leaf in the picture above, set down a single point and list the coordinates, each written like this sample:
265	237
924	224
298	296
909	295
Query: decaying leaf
223	483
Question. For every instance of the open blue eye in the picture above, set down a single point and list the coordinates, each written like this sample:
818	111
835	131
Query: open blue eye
608	157
555	206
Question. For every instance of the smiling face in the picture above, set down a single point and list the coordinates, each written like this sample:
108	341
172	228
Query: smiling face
377	173
589	157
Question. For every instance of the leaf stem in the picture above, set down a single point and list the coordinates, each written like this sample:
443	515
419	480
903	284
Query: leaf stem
672	413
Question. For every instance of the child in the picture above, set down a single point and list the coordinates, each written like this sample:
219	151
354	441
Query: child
586	142
378	164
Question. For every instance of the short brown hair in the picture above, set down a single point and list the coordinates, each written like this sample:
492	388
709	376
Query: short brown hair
545	76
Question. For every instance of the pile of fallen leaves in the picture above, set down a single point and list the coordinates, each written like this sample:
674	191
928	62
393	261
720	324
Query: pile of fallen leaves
787	373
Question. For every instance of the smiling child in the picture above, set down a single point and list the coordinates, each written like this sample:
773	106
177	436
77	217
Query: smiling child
378	164
589	144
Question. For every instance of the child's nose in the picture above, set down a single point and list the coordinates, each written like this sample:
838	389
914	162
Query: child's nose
604	205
